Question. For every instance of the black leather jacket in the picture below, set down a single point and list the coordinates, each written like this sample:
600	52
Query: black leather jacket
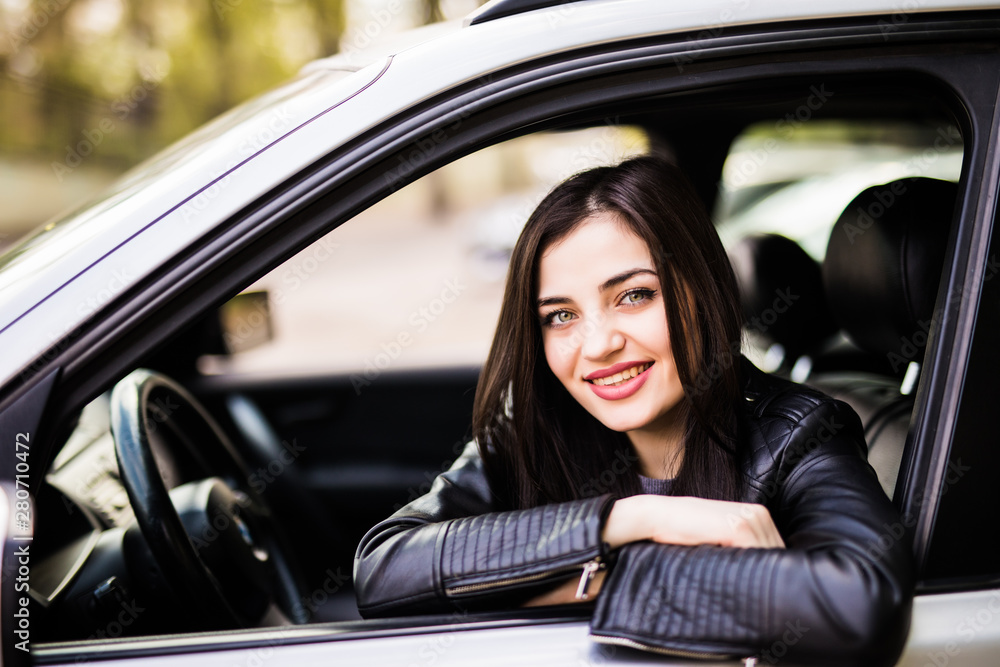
840	592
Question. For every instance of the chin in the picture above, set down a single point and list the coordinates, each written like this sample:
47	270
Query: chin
623	423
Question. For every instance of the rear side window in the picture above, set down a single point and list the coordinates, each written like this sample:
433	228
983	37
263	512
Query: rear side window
795	175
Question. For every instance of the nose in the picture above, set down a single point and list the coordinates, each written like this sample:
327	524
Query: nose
601	338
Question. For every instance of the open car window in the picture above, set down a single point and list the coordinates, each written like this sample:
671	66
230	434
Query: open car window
362	386
416	280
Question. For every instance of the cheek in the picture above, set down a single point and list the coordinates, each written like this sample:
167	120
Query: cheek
650	331
559	356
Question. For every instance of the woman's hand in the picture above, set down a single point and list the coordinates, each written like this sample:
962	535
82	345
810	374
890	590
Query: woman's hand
690	521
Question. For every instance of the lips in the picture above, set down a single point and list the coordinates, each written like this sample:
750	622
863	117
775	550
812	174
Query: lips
619	381
618	377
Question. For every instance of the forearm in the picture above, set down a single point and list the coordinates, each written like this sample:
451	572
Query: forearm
690	521
471	560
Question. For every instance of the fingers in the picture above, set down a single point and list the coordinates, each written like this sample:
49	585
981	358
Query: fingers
752	526
691	521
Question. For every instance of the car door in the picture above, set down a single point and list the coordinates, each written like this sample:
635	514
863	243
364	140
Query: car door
666	79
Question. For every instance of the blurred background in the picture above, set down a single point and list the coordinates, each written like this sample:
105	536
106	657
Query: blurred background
90	88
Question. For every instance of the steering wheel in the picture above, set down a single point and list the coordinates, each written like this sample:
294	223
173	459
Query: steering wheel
215	541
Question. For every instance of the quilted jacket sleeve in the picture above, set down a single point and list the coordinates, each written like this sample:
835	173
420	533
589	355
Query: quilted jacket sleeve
839	594
449	549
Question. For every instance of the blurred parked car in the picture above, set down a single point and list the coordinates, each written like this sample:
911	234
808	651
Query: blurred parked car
163	499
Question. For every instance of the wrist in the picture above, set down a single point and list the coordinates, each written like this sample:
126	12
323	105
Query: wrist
626	523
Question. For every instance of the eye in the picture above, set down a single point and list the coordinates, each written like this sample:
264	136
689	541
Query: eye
558	318
634	297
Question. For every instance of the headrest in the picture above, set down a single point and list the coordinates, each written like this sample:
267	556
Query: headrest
883	263
781	289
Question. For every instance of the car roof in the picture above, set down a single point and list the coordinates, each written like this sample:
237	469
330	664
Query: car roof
70	269
779	10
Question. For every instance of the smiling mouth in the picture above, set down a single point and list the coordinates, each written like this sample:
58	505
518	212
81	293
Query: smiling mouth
622	377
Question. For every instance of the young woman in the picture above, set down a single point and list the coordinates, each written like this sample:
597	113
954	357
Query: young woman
626	454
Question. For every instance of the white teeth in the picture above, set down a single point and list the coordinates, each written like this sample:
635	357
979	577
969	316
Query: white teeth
618	378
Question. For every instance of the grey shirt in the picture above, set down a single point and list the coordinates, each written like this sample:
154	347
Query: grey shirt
659	487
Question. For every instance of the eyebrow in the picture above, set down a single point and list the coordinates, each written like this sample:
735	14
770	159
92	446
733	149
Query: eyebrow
613	281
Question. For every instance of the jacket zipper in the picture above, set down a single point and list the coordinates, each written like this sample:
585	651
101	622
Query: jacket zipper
590	568
680	653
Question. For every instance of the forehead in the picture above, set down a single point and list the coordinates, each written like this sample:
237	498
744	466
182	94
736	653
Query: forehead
598	248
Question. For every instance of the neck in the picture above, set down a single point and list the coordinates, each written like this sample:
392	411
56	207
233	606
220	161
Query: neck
660	450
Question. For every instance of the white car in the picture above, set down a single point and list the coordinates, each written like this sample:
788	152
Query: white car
151	495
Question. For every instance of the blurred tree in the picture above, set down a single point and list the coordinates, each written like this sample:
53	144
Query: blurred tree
107	82
89	88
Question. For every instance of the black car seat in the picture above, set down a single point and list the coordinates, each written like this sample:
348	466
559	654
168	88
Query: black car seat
784	304
881	274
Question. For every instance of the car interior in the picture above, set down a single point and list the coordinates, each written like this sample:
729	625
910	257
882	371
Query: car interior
316	455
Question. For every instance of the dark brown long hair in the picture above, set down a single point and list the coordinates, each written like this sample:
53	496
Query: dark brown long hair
538	444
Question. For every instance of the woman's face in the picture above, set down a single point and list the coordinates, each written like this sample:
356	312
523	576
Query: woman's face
604	327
